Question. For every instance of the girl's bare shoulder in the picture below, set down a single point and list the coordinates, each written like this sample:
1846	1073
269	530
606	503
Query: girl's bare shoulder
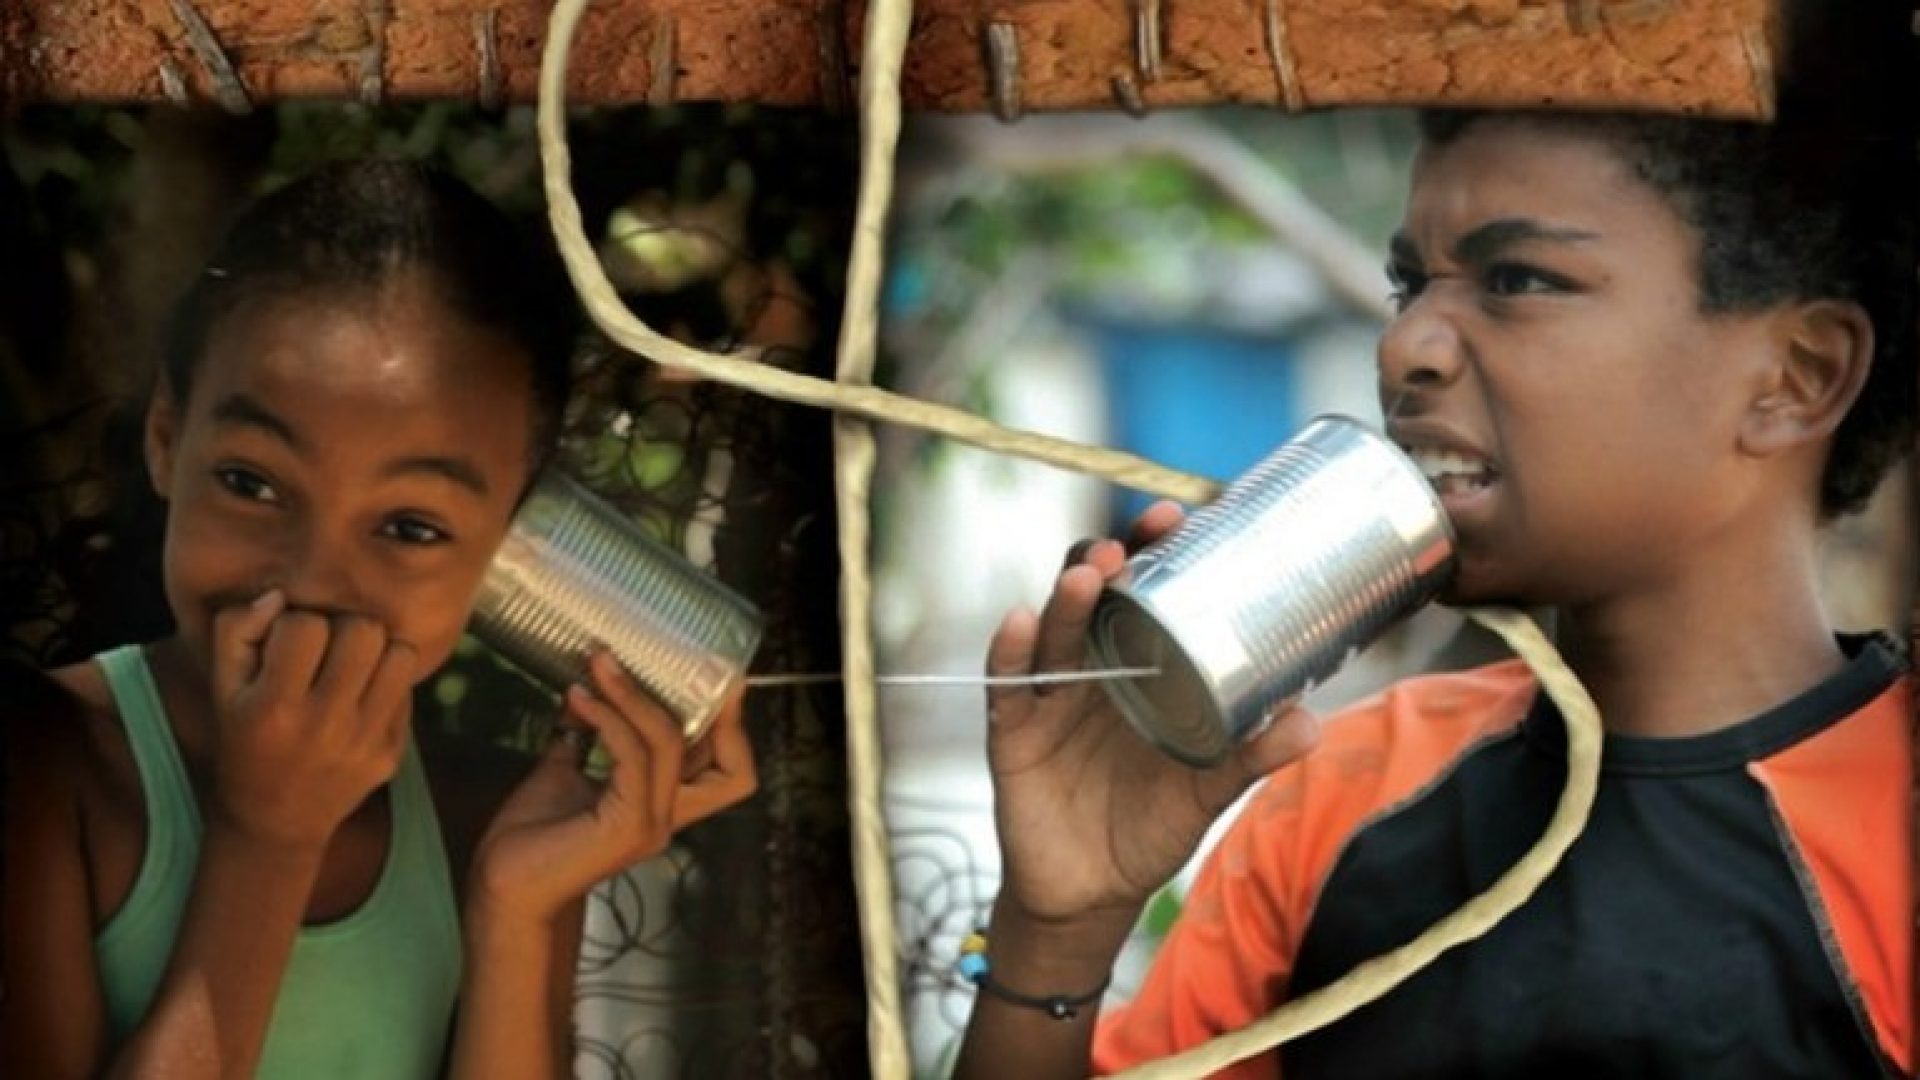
63	723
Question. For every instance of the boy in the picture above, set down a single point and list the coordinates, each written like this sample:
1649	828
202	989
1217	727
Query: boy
1641	360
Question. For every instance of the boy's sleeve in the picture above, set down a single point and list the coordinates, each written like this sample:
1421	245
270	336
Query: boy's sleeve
1226	961
1229	958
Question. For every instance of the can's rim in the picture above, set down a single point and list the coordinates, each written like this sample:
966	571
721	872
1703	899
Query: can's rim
1117	603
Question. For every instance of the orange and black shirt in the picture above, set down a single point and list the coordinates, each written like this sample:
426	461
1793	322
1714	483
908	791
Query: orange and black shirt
1739	905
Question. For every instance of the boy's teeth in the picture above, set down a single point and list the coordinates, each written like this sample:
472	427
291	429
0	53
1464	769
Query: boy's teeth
1451	471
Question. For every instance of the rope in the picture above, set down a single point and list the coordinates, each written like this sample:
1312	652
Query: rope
884	51
888	23
1373	979
744	369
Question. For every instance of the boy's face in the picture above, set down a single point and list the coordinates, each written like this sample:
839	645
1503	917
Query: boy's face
1552	373
365	457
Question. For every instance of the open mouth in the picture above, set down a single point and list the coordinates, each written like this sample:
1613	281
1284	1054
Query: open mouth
1452	473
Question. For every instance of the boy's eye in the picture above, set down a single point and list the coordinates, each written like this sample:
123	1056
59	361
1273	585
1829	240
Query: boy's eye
1515	279
412	530
1406	283
246	483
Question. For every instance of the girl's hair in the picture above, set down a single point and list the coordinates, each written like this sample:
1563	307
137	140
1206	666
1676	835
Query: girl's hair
352	228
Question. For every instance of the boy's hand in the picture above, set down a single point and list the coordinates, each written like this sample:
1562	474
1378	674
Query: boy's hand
310	716
559	834
1092	818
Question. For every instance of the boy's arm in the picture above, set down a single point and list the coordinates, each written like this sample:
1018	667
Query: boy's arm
1004	1039
1221	967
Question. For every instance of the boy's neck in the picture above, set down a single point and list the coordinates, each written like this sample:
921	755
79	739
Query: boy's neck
1716	647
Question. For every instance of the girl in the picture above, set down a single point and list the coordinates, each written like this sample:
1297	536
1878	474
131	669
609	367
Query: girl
228	858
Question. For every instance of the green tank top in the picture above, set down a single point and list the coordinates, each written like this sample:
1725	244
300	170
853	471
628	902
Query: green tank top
368	997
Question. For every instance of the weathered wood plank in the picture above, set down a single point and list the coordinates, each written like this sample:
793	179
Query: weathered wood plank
1705	56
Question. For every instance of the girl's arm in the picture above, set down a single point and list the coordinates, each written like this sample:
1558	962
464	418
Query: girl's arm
311	716
51	1017
516	1003
211	1013
556	837
236	933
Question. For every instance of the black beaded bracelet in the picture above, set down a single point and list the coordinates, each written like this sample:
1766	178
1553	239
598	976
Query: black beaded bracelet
976	969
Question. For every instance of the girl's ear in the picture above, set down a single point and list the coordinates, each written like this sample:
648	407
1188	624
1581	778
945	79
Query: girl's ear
160	438
1827	350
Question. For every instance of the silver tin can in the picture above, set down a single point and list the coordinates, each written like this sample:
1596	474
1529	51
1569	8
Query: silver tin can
1264	593
574	573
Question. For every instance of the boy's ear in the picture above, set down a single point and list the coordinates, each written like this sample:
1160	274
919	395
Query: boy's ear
160	438
1826	352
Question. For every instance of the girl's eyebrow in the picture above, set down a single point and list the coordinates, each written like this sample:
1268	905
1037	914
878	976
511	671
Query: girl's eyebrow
459	470
239	409
242	410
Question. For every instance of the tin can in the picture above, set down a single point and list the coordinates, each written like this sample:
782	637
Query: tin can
1258	597
574	573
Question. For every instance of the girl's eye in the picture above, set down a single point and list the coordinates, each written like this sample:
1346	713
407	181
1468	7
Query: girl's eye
246	483
1514	279
412	530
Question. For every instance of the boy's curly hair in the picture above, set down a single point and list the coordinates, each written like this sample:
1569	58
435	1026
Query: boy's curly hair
1818	204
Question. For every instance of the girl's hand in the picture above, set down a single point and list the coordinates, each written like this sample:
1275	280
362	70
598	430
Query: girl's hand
559	834
310	716
1092	818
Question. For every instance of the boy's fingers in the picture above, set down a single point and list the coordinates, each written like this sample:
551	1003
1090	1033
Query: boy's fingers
238	634
1292	733
1010	653
1062	641
1153	523
1108	557
1077	553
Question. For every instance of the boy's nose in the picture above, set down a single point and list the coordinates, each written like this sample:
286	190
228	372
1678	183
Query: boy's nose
1419	350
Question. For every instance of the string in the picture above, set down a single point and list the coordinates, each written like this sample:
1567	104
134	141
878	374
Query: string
1046	678
887	25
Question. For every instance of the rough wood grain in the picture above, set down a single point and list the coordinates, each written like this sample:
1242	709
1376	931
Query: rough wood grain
1703	56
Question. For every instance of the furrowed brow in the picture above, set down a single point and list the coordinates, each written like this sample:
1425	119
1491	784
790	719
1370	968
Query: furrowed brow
1489	240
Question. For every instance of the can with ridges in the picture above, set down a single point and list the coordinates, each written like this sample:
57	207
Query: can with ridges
574	573
1258	597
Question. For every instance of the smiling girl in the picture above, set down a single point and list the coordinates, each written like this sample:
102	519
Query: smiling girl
228	858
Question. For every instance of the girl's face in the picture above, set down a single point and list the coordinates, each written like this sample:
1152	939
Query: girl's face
364	456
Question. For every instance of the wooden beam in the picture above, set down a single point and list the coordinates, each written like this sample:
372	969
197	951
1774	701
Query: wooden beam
1700	56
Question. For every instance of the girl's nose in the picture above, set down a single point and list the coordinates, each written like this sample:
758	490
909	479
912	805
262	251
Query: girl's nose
319	579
